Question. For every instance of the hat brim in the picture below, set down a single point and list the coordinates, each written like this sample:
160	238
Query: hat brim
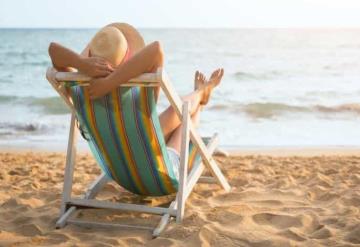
133	37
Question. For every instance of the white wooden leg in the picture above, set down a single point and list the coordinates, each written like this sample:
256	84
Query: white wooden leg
165	219
209	160
184	160
93	190
64	217
96	186
70	163
197	170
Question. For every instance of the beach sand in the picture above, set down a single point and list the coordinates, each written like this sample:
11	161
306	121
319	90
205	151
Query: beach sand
287	200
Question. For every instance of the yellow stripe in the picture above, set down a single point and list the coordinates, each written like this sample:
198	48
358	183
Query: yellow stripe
125	145
192	157
161	167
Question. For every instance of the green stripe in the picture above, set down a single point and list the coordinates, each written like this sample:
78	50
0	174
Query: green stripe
135	140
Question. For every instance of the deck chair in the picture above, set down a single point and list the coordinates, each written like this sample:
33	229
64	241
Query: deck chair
125	138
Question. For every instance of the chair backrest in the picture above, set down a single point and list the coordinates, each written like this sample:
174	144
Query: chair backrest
125	137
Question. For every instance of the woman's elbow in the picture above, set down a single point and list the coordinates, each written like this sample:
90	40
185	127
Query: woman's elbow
52	48
54	52
157	48
158	52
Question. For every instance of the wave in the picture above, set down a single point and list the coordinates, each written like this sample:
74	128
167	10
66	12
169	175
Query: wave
344	108
13	53
7	128
257	76
272	110
49	105
30	127
7	98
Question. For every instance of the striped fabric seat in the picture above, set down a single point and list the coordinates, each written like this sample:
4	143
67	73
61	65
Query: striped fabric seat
125	137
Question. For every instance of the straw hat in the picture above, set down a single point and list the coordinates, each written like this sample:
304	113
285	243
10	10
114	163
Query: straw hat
116	42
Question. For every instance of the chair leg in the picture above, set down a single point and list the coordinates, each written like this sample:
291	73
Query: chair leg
209	161
61	222
70	164
91	193
165	219
184	155
96	186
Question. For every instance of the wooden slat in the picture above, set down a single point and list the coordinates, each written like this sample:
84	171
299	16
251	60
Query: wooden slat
209	160
71	76
96	186
184	160
130	84
50	76
146	78
94	224
92	203
170	93
70	164
199	167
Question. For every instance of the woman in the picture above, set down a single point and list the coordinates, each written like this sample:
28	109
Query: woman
115	55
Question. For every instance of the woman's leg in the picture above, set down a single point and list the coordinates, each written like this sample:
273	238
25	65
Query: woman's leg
169	120
175	138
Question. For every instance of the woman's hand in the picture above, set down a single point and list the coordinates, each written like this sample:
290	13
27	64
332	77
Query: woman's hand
63	58
95	67
99	87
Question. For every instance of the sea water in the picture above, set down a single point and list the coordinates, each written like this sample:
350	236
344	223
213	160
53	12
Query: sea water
282	87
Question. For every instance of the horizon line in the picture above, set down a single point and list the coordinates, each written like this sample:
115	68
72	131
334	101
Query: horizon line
177	27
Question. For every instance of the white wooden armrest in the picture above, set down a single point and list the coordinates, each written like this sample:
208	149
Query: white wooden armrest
71	76
146	79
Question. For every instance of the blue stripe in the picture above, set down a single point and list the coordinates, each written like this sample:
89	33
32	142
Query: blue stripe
147	149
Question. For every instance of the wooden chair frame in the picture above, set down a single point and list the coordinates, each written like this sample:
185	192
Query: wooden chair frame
187	180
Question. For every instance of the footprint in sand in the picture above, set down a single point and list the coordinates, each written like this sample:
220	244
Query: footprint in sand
225	216
322	233
55	238
29	230
292	235
234	197
277	220
354	235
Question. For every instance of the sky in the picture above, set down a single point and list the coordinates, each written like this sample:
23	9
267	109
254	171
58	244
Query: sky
181	13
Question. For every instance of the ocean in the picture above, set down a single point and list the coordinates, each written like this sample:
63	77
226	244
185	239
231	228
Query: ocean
282	87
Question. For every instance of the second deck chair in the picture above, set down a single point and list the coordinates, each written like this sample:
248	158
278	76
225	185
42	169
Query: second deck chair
124	135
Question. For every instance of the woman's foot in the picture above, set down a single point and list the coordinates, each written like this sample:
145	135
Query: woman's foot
207	88
199	80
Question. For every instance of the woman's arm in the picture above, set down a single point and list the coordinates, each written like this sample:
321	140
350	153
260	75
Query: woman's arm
64	58
147	60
